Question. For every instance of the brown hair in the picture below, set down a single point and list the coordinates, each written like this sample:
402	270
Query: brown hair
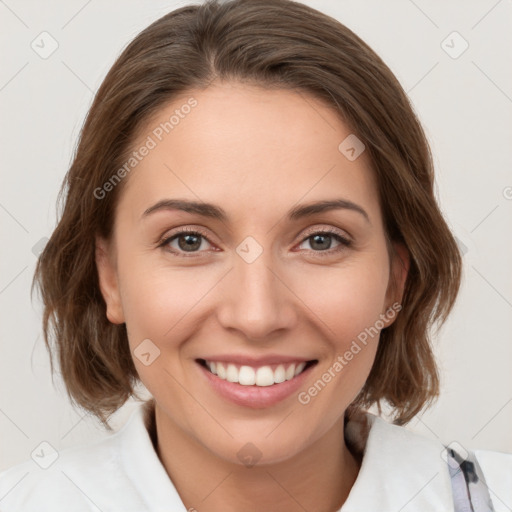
270	43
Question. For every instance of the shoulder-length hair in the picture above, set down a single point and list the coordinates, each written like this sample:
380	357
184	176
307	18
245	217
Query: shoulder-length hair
273	44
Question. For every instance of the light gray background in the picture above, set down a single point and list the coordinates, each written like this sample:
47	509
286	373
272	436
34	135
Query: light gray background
465	104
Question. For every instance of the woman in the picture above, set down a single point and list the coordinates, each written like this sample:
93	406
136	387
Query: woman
250	231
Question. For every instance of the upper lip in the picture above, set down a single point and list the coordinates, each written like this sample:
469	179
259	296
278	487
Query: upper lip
256	361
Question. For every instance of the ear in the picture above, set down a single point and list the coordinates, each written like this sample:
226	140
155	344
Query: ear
399	269
109	285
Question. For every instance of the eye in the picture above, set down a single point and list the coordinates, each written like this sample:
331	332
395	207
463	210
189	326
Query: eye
189	242
186	241
321	241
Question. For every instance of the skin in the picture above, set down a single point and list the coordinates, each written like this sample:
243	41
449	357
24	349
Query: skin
256	153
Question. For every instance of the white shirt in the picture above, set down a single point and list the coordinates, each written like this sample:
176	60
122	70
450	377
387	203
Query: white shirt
401	471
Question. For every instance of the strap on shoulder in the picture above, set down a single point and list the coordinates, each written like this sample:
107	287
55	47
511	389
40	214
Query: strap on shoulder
470	492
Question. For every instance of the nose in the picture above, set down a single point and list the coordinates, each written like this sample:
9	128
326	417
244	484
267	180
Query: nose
256	299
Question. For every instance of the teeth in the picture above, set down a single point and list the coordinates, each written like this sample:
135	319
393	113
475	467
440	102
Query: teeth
279	374
299	368
262	376
221	371
232	373
246	376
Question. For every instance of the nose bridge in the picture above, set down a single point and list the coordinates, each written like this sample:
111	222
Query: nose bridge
256	301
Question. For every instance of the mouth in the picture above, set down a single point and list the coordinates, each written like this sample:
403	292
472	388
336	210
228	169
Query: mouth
265	375
255	387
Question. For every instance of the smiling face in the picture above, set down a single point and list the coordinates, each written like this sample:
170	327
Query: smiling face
255	275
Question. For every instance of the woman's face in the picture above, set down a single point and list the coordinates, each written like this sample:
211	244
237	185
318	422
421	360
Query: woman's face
273	282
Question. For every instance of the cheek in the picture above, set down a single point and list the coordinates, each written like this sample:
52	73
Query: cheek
347	304
351	312
156	300
347	299
166	304
160	307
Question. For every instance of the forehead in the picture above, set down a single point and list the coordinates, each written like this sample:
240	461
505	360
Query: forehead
247	148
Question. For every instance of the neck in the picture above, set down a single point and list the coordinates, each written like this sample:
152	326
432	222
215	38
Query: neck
318	478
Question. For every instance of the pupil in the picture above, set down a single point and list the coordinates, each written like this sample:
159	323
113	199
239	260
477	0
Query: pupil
191	242
321	237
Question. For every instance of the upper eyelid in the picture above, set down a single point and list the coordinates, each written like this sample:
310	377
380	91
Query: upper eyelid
331	229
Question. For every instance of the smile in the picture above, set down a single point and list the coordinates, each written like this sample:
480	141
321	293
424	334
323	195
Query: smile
257	386
267	375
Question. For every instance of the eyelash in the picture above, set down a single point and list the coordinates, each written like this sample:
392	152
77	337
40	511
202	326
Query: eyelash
344	241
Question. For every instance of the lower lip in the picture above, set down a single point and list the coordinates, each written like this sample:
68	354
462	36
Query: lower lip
255	397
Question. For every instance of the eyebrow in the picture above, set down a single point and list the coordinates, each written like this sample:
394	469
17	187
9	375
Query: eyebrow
212	211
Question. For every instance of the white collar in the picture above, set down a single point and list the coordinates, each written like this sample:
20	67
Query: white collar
143	467
401	471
